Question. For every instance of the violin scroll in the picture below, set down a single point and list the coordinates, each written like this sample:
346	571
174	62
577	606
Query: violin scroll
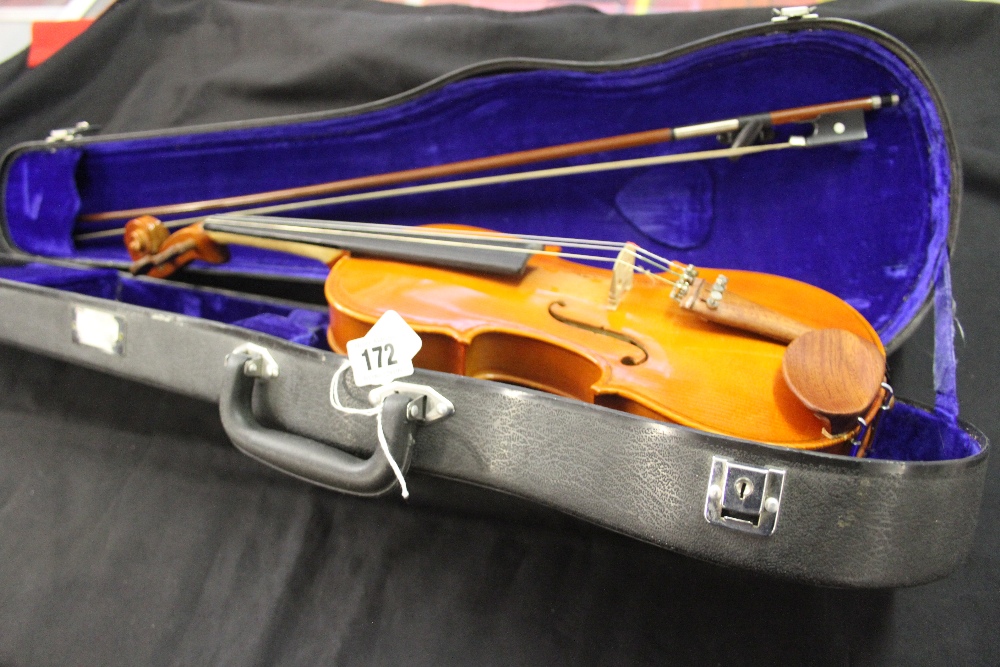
144	236
158	253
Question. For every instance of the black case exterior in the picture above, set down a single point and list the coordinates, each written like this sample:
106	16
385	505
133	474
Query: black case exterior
841	521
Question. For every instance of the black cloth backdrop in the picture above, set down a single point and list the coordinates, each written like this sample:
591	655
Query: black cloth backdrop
131	532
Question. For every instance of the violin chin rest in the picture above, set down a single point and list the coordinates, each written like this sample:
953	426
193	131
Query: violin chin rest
835	373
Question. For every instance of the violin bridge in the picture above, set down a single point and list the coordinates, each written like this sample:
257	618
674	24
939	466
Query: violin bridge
621	275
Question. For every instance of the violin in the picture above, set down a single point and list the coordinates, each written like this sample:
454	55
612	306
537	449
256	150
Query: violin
744	354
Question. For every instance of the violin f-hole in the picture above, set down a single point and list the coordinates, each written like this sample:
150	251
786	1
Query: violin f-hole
627	360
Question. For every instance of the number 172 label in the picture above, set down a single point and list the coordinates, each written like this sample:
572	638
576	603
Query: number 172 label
385	353
390	360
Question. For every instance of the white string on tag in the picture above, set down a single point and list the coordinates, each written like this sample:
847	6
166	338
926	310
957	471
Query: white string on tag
385	450
368	412
335	395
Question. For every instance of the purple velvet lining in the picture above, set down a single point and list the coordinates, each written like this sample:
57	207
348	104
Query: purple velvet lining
42	202
297	325
910	434
945	363
102	283
907	433
307	327
785	213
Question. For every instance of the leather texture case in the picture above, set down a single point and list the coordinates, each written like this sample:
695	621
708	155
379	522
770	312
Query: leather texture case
902	516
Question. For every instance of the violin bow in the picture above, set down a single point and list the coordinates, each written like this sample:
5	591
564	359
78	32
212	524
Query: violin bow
833	122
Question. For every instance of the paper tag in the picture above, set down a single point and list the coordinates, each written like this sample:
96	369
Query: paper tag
385	353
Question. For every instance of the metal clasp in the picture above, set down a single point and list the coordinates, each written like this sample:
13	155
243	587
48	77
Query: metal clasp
67	134
427	404
261	364
742	497
794	13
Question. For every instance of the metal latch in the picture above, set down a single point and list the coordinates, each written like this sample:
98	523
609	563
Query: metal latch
794	13
260	364
67	134
427	406
744	497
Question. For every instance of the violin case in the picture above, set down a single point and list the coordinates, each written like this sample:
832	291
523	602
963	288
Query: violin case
872	221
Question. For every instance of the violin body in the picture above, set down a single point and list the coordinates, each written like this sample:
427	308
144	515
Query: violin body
551	329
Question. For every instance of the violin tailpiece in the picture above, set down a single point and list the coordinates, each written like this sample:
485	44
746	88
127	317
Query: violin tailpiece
733	310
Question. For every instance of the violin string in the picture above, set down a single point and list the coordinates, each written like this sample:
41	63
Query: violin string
655	276
337	226
410	230
334	227
443	242
480	181
466	244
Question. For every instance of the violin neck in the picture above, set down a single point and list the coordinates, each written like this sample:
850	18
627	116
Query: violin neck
326	241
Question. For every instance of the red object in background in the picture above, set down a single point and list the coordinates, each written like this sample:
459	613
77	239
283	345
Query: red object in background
47	37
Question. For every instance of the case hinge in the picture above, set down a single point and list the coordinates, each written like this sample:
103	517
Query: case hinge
743	497
67	134
794	13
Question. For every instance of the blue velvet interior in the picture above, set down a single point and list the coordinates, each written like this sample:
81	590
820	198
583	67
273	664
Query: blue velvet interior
907	433
880	206
299	325
863	220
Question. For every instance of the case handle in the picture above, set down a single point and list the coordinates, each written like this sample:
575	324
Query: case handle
301	457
